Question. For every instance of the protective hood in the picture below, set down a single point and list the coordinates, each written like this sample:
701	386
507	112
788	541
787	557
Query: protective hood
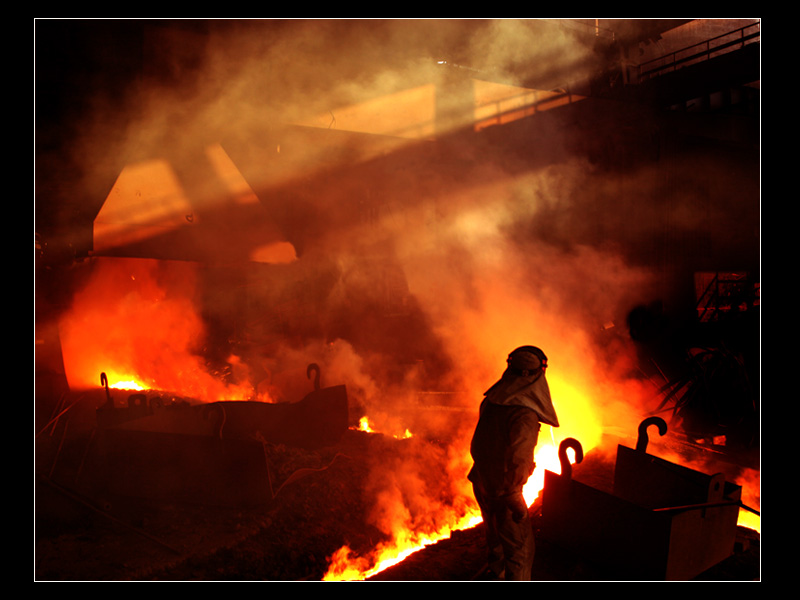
519	390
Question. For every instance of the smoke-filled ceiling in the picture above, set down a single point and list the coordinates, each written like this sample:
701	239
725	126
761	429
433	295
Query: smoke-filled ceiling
402	202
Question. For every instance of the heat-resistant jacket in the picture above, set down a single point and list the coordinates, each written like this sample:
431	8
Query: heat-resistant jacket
502	448
508	430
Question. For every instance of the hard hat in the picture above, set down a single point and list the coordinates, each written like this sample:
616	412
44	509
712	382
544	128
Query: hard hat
527	358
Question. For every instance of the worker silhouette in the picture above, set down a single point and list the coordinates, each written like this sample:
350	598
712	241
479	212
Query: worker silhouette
502	450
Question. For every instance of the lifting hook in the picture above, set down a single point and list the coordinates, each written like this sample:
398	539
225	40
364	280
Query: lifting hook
104	383
313	367
641	443
566	466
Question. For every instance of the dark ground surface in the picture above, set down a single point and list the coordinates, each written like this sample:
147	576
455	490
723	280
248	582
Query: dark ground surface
287	539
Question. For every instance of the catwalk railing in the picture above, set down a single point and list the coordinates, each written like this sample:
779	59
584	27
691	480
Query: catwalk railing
702	51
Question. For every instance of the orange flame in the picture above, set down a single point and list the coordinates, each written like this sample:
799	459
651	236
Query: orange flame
365	425
135	321
578	411
345	565
129	384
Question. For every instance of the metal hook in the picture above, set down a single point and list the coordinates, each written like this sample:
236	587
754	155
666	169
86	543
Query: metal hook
219	411
104	383
313	367
641	443
566	466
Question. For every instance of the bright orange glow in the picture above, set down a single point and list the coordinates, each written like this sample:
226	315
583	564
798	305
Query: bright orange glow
364	425
577	394
135	322
126	385
749	520
750	480
593	399
346	565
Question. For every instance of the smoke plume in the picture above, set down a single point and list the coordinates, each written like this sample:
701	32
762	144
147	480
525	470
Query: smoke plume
488	251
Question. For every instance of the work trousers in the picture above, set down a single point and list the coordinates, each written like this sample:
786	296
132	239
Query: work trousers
511	544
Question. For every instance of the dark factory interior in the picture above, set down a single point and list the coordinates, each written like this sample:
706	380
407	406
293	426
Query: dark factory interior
278	262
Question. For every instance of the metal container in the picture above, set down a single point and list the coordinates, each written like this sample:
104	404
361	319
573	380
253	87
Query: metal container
661	522
210	453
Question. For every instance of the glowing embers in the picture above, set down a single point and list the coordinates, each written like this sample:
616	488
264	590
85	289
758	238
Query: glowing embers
366	426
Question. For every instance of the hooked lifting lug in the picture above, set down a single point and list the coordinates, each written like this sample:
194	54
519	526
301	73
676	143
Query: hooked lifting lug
641	443
104	383
313	367
566	466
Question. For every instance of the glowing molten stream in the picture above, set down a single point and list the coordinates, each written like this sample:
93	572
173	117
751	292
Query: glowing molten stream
346	565
125	384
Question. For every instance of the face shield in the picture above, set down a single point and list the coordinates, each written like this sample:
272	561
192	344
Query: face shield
524	384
